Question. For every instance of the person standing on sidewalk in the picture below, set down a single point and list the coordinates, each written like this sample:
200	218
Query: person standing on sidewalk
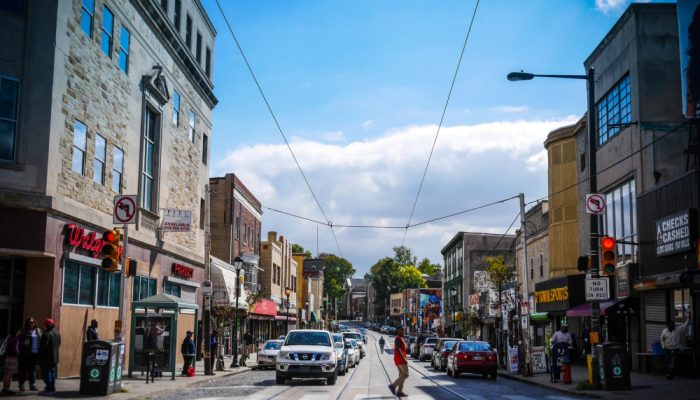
214	344
48	355
91	333
11	360
28	354
671	341
188	352
401	363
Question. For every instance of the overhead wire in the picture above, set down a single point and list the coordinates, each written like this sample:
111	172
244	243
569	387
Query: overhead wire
493	250
277	124
442	118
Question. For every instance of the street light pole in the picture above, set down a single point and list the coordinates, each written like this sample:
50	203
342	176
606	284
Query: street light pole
237	264
287	292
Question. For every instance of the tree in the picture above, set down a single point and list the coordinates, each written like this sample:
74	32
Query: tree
298	249
499	274
388	276
427	268
336	271
404	256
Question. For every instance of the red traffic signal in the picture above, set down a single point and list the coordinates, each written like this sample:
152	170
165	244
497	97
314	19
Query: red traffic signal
608	255
110	250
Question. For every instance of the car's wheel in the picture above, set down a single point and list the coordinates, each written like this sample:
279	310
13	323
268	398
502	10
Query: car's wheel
279	379
331	380
342	372
449	371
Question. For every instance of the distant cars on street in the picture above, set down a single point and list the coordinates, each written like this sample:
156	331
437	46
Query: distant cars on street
267	355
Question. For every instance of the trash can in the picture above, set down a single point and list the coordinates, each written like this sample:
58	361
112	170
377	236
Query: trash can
613	366
101	367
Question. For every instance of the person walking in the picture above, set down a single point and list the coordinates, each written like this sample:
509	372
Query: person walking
214	344
28	354
248	342
401	362
92	333
48	355
188	352
671	341
11	360
382	342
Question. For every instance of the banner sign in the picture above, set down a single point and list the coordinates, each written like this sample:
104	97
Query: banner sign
674	233
177	220
539	361
513	362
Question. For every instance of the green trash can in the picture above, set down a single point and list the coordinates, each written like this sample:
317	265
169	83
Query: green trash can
101	367
613	366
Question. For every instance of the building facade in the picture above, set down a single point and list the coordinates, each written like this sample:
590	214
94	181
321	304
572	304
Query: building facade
278	279
310	293
105	98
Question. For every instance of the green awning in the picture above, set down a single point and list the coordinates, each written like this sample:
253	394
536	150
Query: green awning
539	316
313	317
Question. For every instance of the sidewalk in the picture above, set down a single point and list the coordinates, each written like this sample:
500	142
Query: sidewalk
644	386
137	388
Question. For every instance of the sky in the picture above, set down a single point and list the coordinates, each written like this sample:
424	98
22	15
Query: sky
358	88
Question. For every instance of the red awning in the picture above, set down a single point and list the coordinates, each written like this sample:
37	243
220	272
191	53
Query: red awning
265	307
585	309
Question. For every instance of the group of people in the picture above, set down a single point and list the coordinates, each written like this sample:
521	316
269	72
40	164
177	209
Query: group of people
188	349
27	347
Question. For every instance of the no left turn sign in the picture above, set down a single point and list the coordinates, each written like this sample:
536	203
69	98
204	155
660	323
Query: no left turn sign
595	203
124	209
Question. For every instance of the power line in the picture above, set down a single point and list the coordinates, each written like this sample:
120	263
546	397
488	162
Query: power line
505	233
462	212
442	118
274	118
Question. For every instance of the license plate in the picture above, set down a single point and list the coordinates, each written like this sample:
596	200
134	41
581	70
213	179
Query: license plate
477	358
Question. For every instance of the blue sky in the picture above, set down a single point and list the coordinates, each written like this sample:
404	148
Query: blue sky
359	86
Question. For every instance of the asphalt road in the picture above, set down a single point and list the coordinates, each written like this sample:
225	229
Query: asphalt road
369	381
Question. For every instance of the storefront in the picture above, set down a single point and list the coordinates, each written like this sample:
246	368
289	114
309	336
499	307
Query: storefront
262	319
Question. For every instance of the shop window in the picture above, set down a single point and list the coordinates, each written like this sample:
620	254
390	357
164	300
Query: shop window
172	289
108	287
107	31
78	284
9	101
87	12
143	287
621	219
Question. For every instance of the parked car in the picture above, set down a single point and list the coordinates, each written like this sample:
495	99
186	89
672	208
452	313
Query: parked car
281	337
426	349
341	353
415	350
410	342
358	337
267	355
308	353
353	353
442	349
473	357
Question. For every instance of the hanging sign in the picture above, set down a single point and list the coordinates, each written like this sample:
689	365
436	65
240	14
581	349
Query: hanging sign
177	220
674	233
124	209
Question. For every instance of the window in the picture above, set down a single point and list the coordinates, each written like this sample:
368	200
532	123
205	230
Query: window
541	265
188	32
614	109
143	287
177	14
171	289
150	161
108	287
98	165
86	14
78	284
107	31
117	169
205	146
79	144
532	268
124	39
207	62
164	5
245	233
202	213
9	101
621	219
176	108
193	122
198	54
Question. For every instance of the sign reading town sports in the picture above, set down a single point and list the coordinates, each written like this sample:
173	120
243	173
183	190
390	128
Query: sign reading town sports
675	233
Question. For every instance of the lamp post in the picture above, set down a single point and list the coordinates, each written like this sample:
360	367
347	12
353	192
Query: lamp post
287	292
237	264
453	294
593	187
308	319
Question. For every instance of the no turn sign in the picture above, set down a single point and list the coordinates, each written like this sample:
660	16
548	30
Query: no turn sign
124	209
595	203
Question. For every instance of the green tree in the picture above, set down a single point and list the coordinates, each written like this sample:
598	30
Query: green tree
388	276
426	267
499	275
336	271
404	256
298	249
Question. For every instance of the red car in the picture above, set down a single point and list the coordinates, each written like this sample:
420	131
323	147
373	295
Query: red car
473	357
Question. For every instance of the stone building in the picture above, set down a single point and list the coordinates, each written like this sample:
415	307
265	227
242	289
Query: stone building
278	279
538	246
104	98
310	290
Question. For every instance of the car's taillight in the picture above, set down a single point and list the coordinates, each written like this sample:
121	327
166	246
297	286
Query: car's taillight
461	356
491	357
445	353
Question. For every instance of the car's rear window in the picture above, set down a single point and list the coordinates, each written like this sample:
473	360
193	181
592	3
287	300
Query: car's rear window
272	345
337	338
447	346
308	339
353	335
474	346
431	341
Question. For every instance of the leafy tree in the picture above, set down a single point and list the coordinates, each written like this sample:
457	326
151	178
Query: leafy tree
499	274
388	276
297	249
404	256
427	268
336	271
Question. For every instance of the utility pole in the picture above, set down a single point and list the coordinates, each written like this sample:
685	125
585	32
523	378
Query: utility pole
207	298
527	370
119	325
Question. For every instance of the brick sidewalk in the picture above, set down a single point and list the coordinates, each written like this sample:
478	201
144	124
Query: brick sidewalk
644	386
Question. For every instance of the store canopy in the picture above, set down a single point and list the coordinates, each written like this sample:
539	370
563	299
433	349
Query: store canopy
585	309
223	281
539	316
265	307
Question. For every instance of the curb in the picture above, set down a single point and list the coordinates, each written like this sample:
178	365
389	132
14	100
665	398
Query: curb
172	389
557	389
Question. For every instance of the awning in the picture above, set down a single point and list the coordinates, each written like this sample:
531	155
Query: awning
265	307
223	283
539	316
585	309
284	318
671	280
313	317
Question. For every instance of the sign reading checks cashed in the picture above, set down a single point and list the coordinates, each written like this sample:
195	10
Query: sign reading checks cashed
675	233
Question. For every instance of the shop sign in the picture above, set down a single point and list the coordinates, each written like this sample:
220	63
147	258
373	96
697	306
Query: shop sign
552	295
182	271
513	362
80	238
674	233
524	308
177	220
622	277
539	360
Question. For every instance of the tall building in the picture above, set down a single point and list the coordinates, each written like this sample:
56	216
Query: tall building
101	99
278	279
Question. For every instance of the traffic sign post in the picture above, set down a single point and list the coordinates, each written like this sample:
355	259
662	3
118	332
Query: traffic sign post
125	210
595	203
597	289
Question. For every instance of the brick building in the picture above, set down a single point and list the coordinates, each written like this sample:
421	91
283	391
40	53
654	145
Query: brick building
279	273
104	98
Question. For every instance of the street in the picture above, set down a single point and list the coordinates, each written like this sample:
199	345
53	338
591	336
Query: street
369	380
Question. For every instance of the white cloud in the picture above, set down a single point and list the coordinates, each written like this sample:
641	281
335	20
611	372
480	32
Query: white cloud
336	136
608	6
374	182
508	109
368	124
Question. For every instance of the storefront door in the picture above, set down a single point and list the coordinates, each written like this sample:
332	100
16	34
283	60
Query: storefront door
12	276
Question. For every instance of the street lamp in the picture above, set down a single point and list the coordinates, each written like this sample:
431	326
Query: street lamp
453	294
287	292
593	187
306	306
237	264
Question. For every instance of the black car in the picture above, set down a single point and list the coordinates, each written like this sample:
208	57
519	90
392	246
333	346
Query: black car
415	350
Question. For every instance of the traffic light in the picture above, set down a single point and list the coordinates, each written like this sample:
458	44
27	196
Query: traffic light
584	263
130	268
608	256
110	250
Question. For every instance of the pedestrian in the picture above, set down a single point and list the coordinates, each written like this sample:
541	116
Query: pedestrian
561	336
671	341
28	354
11	360
48	355
401	362
214	347
188	352
382	342
248	342
91	333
